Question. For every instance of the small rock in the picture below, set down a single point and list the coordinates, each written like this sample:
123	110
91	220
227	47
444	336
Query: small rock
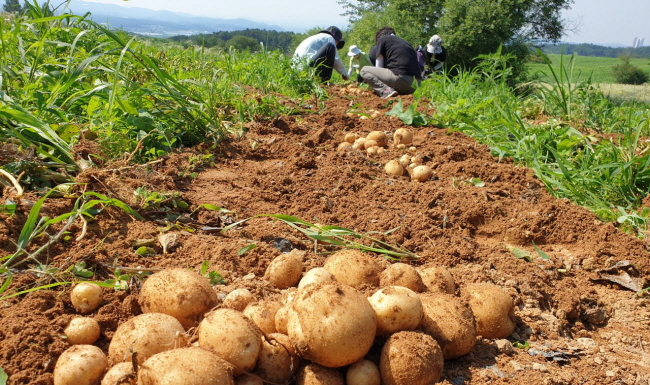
517	366
598	360
540	367
610	373
504	347
586	343
596	316
588	264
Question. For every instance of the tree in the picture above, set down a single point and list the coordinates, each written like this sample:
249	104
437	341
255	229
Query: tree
12	6
243	43
469	28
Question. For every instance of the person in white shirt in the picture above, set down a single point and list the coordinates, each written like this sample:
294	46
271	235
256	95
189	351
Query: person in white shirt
320	51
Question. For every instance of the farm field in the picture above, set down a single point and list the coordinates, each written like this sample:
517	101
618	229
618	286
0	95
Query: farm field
579	326
121	158
599	68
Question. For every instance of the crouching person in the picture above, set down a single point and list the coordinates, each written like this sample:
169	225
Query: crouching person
320	51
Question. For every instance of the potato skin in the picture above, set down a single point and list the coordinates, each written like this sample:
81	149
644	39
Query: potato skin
450	321
181	293
80	365
331	324
82	331
354	268
493	309
86	297
411	358
401	274
437	279
120	374
285	270
262	314
397	308
187	366
314	374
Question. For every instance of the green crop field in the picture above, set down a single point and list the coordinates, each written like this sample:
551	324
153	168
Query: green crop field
599	68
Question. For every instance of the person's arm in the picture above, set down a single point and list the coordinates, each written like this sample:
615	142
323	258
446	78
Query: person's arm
340	68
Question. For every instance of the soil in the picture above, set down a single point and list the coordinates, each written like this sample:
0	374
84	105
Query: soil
575	311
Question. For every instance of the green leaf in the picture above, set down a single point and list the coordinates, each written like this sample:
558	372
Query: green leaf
3	377
477	182
521	344
204	267
211	207
216	278
539	251
9	208
519	253
144	250
246	249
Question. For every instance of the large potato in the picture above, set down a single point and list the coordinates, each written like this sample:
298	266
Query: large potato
82	331
331	324
354	268
232	337
397	308
276	362
410	358
145	335
80	365
316	275
493	309
401	274
86	297
450	321
238	299
438	279
181	293
314	374
262	314
285	270
185	366
120	374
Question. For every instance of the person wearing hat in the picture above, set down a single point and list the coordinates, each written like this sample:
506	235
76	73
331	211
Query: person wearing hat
435	55
320	51
358	60
396	65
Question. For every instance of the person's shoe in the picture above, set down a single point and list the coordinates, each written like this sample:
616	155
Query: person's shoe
389	93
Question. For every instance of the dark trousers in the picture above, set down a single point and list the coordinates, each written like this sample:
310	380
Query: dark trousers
323	60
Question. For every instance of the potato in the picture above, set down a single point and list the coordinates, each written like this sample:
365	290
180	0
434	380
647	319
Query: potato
262	314
314	374
316	275
401	274
187	366
354	268
285	270
275	363
450	321
248	379
232	337
421	173
331	324
379	137
397	308
181	293
80	365
145	335
351	137
82	331
343	146
438	279
282	319
370	143
288	295
238	299
402	136
410	358
493	309
394	168
363	372
120	374
86	297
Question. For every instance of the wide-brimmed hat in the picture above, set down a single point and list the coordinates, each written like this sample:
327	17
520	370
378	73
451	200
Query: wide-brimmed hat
435	44
354	51
336	34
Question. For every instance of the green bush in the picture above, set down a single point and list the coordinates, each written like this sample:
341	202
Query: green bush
627	73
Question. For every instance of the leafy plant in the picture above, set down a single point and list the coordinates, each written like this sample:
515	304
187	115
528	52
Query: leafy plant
628	73
215	277
410	115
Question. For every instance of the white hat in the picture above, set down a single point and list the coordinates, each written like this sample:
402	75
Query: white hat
435	44
354	50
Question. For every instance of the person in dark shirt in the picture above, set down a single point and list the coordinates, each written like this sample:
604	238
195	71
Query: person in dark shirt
435	55
396	65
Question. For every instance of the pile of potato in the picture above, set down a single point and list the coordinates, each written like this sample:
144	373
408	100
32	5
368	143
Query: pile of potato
357	320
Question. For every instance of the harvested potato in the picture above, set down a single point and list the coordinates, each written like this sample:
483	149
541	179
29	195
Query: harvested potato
402	136
438	279
232	337
80	365
316	275
120	374
374	150
363	372
282	319
354	268
238	299
248	379
288	295
285	270
331	324
181	293
314	374
82	331
401	274
343	146
450	321
145	335
493	309
370	143
276	363
262	314
410	358
359	144
394	168
86	297
379	137
351	137
187	366
421	173
397	308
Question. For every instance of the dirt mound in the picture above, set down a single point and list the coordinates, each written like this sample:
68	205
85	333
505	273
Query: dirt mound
480	218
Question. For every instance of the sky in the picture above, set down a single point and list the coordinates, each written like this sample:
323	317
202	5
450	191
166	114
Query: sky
603	22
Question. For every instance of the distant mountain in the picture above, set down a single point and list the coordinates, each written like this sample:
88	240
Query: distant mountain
148	22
